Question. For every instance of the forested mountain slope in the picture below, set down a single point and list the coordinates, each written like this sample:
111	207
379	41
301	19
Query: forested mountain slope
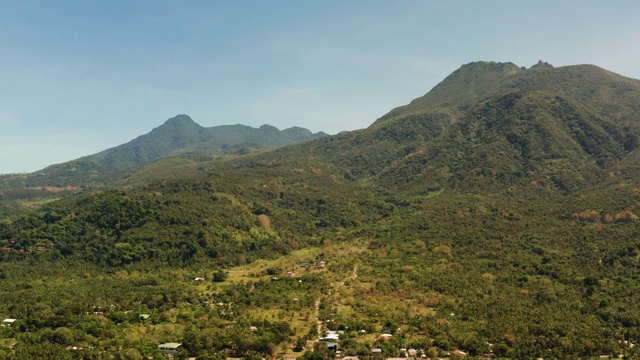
560	128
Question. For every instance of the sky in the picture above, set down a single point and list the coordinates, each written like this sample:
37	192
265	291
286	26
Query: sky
81	76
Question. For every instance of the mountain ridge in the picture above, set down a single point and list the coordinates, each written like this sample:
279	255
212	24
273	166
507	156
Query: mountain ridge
478	81
580	119
181	133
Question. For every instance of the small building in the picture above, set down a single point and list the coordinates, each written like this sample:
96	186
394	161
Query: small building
322	265
144	316
384	337
198	279
332	337
8	322
376	351
169	348
6	249
290	273
332	346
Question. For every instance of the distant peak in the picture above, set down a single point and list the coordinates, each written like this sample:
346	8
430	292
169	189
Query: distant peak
490	66
542	64
267	127
181	121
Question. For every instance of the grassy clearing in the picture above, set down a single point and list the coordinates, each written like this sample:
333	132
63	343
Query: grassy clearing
34	204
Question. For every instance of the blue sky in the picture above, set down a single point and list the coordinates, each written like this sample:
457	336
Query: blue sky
78	77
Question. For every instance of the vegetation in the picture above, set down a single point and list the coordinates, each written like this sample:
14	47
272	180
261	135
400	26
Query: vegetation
499	222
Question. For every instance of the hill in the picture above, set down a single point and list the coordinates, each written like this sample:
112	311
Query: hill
495	216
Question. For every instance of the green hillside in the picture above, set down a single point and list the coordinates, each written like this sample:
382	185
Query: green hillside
497	216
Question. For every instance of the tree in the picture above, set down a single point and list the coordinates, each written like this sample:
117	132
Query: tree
220	276
62	336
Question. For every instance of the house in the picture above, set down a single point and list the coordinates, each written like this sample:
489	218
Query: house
332	337
332	346
169	348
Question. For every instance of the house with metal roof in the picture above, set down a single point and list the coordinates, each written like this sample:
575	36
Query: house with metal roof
169	348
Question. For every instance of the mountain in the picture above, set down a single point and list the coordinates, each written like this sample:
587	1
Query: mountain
180	140
182	134
478	81
492	125
496	216
471	83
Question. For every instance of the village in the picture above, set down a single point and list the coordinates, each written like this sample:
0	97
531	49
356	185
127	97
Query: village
328	340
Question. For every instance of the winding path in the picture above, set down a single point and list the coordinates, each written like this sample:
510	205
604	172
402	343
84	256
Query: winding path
318	317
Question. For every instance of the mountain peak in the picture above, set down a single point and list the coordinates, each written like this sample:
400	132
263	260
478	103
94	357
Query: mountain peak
458	91
269	128
181	121
542	64
488	66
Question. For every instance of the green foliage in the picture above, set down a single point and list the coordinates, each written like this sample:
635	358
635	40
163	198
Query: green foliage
220	276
